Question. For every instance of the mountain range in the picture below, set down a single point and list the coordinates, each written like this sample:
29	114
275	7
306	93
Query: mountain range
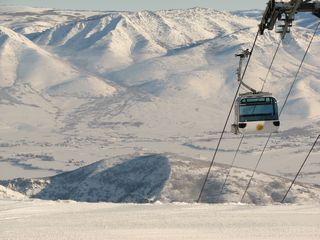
85	87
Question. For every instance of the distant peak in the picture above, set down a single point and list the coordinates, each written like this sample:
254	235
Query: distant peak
10	34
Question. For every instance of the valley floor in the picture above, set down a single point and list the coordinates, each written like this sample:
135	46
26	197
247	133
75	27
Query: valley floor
36	219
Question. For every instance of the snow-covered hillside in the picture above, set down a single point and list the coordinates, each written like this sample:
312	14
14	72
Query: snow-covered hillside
8	194
23	62
78	87
164	178
67	220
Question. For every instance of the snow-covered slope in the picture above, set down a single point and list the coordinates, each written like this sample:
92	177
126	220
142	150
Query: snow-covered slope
180	53
72	221
8	194
116	40
25	63
162	178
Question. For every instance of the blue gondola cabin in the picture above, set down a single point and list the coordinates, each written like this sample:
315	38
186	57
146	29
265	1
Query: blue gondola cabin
256	113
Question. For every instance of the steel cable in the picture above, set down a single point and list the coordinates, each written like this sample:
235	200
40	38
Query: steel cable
242	137
228	117
304	162
284	104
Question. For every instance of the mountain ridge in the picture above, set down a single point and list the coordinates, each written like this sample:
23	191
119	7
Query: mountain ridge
159	178
21	57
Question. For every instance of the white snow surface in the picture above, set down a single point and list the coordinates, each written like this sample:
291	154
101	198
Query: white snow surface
8	194
30	220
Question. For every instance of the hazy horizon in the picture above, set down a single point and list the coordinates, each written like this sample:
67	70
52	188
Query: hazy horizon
227	5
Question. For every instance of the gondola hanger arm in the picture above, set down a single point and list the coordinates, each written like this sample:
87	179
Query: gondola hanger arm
242	55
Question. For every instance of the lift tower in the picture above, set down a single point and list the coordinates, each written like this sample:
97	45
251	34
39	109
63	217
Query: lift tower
282	13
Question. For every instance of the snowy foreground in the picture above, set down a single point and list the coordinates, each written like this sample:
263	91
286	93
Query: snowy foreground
70	220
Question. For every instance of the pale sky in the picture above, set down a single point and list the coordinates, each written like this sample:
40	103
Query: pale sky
133	5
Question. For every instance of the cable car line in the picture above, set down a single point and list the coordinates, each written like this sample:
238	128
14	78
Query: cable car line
273	13
231	166
269	70
255	112
297	73
285	102
246	102
294	180
243	135
228	117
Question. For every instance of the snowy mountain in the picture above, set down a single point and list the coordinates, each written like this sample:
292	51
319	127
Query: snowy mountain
80	88
26	63
152	178
128	38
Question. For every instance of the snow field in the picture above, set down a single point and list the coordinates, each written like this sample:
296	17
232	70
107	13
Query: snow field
69	220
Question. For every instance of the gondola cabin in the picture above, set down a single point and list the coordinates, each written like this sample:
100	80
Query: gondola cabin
256	113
